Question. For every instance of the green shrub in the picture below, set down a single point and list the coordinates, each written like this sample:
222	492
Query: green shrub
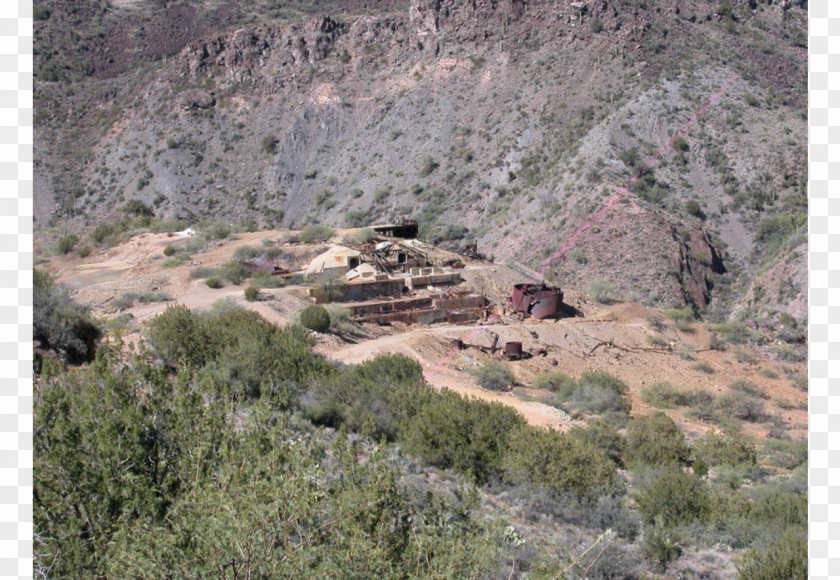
59	325
782	509
383	393
662	395
680	314
735	332
315	317
316	233
467	435
250	252
40	12
252	293
578	255
215	230
169	251
596	25
269	144
720	449
601	435
179	335
599	392
674	498
214	283
149	296
703	368
233	272
741	406
662	545
339	318
655	440
494	376
356	218
557	462
427	165
66	244
790	353
748	388
310	173
556	381
601	290
135	207
101	232
693	208
266	280
243	350
380	194
125	301
784	559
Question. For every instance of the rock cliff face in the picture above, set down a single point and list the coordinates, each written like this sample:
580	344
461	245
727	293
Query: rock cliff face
504	122
695	266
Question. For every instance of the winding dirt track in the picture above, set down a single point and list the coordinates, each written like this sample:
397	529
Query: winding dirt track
437	360
618	338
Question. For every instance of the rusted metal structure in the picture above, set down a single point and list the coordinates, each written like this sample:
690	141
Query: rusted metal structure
392	256
453	309
471	252
513	350
537	300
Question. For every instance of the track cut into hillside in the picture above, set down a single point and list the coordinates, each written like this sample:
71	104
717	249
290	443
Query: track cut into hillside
637	344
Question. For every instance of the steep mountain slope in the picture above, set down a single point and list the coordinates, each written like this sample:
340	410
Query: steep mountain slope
505	122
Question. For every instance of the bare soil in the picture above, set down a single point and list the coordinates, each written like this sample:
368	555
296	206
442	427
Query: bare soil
618	338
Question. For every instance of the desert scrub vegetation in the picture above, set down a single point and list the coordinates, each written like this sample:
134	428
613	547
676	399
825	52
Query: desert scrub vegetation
233	272
494	376
664	395
60	328
177	502
594	393
250	252
601	290
66	244
246	419
557	462
316	318
316	233
655	440
252	294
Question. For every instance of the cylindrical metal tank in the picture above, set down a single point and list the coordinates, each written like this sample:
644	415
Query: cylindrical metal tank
513	350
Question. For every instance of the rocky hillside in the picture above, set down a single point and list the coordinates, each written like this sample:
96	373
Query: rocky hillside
510	123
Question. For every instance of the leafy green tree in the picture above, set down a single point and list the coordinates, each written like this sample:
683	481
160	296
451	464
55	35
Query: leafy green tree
655	440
